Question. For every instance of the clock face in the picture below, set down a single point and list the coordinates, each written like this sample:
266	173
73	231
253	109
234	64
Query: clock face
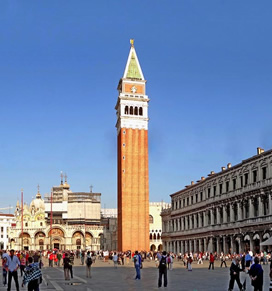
133	89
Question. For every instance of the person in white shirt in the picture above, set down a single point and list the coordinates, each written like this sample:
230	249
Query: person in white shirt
13	264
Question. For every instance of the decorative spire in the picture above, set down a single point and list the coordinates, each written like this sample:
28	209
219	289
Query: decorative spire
38	196
133	69
91	188
65	176
61	178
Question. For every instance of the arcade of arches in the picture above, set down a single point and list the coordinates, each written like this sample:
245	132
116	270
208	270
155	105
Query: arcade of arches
69	238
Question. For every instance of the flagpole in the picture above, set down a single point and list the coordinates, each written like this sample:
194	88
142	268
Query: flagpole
22	211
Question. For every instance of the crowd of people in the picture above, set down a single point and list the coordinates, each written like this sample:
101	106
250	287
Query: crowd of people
30	264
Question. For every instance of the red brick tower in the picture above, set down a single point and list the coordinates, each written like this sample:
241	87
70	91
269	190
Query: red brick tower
133	180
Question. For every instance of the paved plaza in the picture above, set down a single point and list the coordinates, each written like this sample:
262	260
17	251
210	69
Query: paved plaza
106	277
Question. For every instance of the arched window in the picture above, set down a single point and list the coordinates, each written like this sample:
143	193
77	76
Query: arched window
150	236
131	110
78	242
136	111
126	110
151	220
158	236
141	111
154	236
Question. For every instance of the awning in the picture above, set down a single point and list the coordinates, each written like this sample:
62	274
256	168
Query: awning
268	242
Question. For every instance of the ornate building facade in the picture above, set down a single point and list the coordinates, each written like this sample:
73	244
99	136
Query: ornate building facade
155	224
63	220
229	211
132	137
6	222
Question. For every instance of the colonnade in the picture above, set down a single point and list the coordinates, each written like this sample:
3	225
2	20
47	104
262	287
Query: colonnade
220	243
229	212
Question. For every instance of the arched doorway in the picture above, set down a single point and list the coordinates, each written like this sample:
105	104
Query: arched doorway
256	243
40	240
25	242
12	243
153	248
246	243
78	240
56	239
160	248
89	240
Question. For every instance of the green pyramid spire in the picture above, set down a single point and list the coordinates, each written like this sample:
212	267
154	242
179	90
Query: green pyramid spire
133	69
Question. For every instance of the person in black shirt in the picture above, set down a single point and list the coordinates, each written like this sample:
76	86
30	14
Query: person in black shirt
235	274
163	270
66	266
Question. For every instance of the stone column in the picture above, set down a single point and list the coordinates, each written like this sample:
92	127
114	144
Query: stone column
251	207
205	245
195	248
232	244
260	206
212	216
218	215
204	219
186	246
185	223
199	220
270	203
191	245
232	212
239	211
251	242
175	247
191	221
194	218
218	245
182	247
224	245
224	214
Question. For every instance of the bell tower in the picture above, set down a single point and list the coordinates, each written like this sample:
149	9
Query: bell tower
132	139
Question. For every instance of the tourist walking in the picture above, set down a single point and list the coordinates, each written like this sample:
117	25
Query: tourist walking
211	261
59	256
223	260
32	275
189	264
13	264
162	270
256	274
82	256
235	274
71	257
22	264
5	270
89	262
66	266
115	260
270	276
137	263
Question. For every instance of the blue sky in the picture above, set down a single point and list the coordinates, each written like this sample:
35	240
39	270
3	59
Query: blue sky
208	67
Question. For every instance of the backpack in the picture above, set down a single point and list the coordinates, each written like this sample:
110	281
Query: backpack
89	261
162	264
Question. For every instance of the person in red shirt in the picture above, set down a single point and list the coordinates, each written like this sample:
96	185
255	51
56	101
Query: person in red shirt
211	261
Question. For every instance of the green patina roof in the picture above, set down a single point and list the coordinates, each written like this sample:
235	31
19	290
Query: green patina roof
133	69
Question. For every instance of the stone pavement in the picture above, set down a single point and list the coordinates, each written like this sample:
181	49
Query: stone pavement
106	277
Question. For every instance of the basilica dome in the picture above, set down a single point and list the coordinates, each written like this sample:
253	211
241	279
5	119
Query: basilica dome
37	203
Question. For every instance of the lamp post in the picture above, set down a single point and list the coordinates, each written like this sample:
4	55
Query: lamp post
51	220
